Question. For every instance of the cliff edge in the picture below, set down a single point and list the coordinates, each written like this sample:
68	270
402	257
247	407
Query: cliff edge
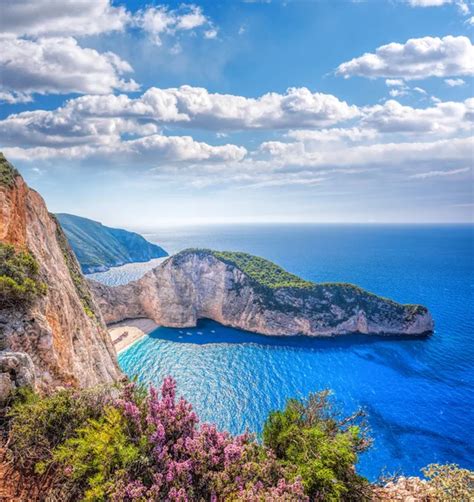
46	308
250	293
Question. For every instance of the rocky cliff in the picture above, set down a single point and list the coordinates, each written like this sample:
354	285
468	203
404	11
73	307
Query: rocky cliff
250	293
46	308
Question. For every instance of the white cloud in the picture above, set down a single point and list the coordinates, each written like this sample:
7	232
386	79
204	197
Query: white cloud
420	90
454	82
148	150
417	59
444	118
160	20
60	66
397	93
210	34
375	155
461	4
14	97
394	82
196	107
40	53
428	3
435	174
65	17
324	136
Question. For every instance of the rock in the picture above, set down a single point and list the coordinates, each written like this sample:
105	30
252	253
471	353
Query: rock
198	284
6	387
62	331
16	370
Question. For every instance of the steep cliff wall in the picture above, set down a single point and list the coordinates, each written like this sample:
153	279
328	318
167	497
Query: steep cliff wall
61	329
253	294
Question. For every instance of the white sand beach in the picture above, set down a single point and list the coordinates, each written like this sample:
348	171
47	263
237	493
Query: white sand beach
125	333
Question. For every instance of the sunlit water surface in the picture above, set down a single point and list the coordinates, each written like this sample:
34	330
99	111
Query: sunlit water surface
418	393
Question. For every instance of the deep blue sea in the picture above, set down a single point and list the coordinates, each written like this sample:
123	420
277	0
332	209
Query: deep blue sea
418	393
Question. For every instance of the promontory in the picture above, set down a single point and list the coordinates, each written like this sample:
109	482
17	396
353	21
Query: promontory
254	294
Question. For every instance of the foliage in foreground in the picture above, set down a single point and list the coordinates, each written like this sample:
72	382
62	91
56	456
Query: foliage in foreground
19	277
320	446
134	445
127	444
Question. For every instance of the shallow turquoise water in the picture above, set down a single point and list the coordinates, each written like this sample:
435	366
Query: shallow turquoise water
418	392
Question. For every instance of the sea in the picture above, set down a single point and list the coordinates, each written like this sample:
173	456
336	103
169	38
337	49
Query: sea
418	393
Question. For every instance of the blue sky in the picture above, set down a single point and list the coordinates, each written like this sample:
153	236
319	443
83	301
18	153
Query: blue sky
143	114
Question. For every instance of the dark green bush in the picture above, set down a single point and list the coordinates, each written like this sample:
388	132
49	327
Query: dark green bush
314	442
7	172
19	277
263	271
40	424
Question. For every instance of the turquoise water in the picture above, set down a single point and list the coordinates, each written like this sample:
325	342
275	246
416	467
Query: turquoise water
418	392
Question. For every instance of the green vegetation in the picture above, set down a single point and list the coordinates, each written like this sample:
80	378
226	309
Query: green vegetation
20	283
315	443
97	452
7	172
98	247
40	424
75	272
125	444
263	272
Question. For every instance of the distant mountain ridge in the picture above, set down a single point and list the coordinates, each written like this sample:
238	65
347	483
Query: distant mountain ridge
98	247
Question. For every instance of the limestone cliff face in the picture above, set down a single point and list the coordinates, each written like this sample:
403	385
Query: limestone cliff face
62	331
198	284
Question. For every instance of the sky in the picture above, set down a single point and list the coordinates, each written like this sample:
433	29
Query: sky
144	114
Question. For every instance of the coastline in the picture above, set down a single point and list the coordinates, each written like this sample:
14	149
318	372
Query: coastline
126	333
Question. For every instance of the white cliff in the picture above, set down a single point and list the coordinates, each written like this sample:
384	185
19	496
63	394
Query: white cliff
224	287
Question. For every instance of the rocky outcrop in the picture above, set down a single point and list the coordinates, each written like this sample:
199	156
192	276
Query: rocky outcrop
16	370
62	331
234	289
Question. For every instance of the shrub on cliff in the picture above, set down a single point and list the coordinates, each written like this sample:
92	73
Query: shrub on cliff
40	424
19	277
314	442
142	447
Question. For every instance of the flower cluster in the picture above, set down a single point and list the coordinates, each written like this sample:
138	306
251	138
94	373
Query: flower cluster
182	461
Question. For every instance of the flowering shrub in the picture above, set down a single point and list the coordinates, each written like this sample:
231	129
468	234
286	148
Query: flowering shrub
128	444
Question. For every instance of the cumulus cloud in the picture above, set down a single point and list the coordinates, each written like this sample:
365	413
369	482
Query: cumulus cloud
160	20
40	53
444	118
128	131
148	150
58	65
416	59
190	107
65	17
